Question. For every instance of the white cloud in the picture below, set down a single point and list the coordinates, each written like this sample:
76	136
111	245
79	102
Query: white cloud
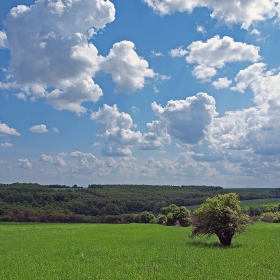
3	39
245	13
49	48
222	83
216	52
245	77
87	162
46	158
201	29
156	54
128	70
5	130
203	72
59	161
6	145
188	119
21	95
115	128
178	52
55	130
24	163
40	128
255	31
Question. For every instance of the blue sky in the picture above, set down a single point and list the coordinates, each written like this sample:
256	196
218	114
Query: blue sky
140	91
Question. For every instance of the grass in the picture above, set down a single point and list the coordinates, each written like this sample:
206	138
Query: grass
249	203
259	202
134	251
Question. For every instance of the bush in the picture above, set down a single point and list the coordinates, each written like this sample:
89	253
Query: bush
146	217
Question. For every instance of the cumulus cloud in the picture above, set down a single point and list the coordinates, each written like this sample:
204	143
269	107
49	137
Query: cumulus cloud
245	13
216	52
6	145
188	119
6	130
3	39
49	48
46	158
222	83
116	130
87	162
24	164
204	73
40	128
128	70
245	77
178	52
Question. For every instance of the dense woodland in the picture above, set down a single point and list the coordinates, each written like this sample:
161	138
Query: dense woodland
28	202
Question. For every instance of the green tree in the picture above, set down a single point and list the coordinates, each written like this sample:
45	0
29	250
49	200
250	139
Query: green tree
220	215
176	214
146	217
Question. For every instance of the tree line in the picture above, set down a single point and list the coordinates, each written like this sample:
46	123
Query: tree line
32	202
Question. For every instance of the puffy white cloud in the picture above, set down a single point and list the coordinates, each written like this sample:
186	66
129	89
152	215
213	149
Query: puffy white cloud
6	130
59	161
178	52
87	162
216	52
6	145
40	128
188	119
245	77
245	13
128	70
49	48
222	83
116	130
46	158
3	39
203	72
24	163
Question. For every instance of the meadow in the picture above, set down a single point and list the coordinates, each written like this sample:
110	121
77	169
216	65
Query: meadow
134	251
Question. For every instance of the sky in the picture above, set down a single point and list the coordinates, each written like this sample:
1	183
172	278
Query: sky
140	92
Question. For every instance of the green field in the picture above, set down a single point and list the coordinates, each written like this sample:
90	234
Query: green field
259	202
249	203
134	251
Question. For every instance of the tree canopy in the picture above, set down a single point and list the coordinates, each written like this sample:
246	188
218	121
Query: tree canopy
221	215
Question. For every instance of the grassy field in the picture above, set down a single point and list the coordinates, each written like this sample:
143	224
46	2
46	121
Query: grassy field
249	203
258	202
134	251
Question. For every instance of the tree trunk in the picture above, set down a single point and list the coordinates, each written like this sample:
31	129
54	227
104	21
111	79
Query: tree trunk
225	238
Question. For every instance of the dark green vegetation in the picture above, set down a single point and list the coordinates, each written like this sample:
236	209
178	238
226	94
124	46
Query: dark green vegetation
134	251
221	215
104	203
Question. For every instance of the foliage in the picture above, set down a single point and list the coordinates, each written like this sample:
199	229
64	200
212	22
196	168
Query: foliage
220	215
271	217
32	202
146	217
176	215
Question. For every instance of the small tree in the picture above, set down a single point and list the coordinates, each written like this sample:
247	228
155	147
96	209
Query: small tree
146	217
175	214
220	215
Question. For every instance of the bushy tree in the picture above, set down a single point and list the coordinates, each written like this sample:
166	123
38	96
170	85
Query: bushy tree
146	217
221	215
176	214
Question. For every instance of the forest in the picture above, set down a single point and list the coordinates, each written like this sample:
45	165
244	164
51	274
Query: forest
32	202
